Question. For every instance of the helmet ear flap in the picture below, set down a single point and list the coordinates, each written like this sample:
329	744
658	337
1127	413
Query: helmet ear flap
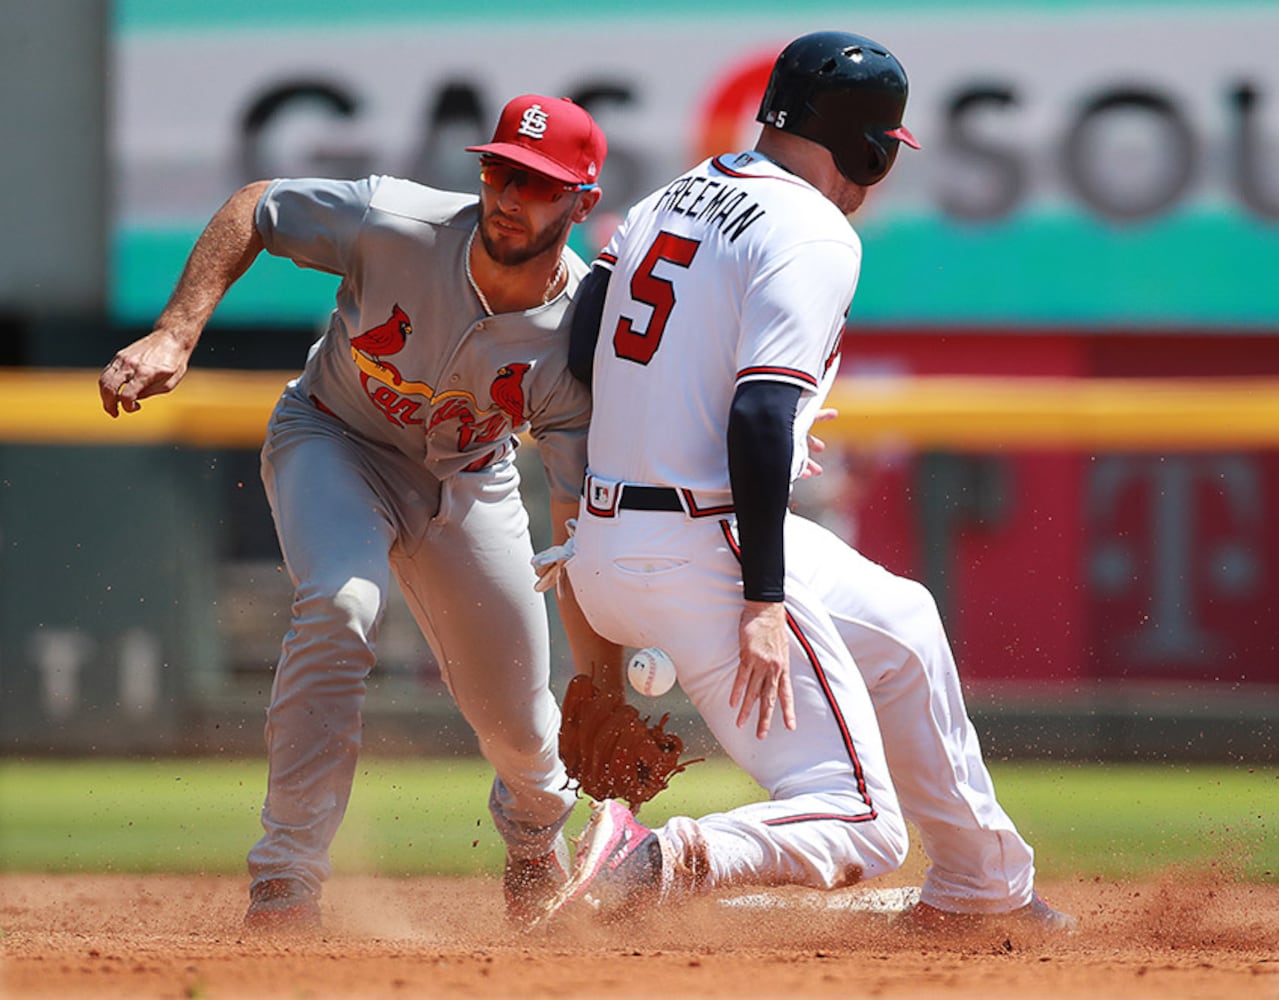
866	161
878	160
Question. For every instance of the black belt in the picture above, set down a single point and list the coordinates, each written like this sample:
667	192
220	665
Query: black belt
650	498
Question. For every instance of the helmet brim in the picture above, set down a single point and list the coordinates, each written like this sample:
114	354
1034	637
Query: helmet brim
902	134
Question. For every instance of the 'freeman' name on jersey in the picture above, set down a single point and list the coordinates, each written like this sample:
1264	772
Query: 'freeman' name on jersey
716	203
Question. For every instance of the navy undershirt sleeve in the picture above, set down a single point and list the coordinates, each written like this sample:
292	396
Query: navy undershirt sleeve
760	448
585	328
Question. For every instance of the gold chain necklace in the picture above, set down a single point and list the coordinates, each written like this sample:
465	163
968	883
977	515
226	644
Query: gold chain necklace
466	261
555	280
488	309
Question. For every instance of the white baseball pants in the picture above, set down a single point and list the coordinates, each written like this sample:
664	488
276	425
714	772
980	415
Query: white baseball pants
980	863
664	579
889	625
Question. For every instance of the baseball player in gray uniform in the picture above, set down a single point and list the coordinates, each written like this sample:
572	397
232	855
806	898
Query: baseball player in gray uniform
393	452
719	309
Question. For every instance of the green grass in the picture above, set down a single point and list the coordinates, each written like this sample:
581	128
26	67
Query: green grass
411	817
1126	820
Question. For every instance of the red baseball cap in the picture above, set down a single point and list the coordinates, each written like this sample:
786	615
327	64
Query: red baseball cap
550	135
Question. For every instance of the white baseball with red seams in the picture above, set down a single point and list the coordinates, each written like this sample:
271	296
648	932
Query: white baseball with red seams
651	672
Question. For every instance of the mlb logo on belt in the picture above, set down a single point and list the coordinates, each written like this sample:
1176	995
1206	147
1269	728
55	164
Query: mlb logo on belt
601	496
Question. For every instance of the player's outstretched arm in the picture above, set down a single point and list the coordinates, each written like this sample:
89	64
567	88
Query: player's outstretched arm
156	363
760	447
592	653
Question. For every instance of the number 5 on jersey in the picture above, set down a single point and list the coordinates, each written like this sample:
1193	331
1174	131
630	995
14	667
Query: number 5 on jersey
659	293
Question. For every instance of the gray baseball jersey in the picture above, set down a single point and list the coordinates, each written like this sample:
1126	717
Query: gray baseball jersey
411	360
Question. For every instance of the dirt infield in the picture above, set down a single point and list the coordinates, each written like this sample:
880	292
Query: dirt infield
172	936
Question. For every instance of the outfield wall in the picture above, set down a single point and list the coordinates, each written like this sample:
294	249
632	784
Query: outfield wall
1106	576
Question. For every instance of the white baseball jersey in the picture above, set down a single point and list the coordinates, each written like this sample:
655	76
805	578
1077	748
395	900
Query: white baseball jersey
785	263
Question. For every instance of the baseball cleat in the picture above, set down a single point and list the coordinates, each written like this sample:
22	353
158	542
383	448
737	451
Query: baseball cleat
923	918
1048	919
618	867
530	883
282	905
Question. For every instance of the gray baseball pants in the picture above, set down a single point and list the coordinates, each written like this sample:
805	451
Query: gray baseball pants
349	514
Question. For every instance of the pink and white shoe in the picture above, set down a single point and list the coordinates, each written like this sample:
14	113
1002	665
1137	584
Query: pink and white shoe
620	866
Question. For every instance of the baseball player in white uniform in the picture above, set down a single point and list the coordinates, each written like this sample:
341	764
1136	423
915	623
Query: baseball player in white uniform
393	452
721	304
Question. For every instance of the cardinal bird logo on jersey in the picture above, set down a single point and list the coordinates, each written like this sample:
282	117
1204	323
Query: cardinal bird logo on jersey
507	391
386	338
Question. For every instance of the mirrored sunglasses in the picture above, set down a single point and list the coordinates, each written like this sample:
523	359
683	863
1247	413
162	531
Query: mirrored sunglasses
497	174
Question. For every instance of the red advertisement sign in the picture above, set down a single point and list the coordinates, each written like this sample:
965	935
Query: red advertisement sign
1068	567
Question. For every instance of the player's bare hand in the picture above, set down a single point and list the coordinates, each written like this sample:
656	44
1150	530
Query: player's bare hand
763	670
147	367
816	445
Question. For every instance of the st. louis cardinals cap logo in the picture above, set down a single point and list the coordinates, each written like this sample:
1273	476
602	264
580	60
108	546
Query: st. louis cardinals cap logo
549	135
533	122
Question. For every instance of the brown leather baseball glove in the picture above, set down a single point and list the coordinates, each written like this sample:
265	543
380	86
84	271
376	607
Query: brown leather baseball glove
610	751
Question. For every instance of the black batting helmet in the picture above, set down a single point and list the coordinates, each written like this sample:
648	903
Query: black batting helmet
846	93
